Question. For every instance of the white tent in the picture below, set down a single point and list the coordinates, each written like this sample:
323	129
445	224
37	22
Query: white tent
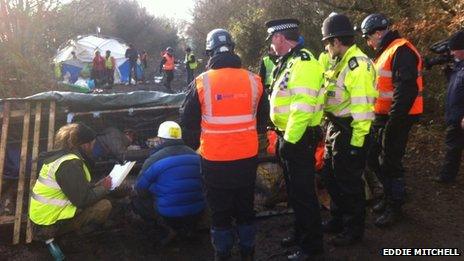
85	47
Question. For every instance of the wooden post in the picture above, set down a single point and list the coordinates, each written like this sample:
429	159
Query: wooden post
4	140
22	172
35	154
51	125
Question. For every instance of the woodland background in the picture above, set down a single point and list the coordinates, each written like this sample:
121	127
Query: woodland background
32	30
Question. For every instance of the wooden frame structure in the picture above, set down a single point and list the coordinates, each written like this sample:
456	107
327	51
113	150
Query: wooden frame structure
20	218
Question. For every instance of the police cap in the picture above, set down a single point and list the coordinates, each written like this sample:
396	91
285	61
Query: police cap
280	25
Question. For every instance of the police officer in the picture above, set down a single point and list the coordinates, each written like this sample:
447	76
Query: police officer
267	66
454	113
226	104
296	111
398	107
349	107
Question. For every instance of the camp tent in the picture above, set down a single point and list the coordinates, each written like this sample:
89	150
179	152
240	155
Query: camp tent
85	47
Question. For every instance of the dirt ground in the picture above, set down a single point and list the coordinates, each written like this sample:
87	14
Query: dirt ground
434	215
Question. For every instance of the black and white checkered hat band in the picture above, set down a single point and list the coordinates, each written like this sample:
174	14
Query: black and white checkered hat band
281	27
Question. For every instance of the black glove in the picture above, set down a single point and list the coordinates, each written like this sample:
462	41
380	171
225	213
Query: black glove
287	149
356	155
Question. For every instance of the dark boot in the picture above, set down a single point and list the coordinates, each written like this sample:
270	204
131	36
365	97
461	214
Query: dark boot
301	255
223	241
247	255
345	239
246	236
332	226
390	216
380	206
288	241
219	257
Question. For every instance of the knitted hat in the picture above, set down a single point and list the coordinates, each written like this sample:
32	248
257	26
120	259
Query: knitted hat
85	134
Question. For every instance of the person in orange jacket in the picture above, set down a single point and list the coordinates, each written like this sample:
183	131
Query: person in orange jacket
225	106
167	67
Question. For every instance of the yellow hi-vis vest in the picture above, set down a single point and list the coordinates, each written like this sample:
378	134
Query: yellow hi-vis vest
48	202
109	62
188	60
297	97
350	92
269	65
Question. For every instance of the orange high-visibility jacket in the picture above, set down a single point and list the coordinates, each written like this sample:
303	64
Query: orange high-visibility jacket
169	64
384	81
229	100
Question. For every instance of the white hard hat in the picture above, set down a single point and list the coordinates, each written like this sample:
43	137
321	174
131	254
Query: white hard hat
170	130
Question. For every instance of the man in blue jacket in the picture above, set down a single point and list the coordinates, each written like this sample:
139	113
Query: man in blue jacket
169	186
454	112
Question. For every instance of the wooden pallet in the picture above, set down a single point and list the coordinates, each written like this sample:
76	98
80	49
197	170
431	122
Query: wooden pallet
20	215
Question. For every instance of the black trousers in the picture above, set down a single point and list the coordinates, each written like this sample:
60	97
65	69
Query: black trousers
342	174
298	168
454	142
132	71
388	146
144	207
189	75
229	204
169	76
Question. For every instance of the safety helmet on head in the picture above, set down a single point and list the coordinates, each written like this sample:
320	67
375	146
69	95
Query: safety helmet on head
337	25
169	50
170	130
372	23
219	40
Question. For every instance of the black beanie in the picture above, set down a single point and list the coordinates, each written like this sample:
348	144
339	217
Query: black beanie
85	134
456	41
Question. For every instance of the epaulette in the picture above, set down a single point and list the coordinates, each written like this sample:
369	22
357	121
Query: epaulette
353	63
304	55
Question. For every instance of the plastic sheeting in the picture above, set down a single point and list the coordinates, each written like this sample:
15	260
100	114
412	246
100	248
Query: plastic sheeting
81	102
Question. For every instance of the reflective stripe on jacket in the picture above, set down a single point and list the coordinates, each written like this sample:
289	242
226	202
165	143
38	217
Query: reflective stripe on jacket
229	99
350	92
297	99
48	202
269	65
169	64
188	60
385	86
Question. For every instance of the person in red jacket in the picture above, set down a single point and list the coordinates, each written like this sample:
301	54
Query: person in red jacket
98	68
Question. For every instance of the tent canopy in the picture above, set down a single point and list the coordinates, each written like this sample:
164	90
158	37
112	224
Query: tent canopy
85	47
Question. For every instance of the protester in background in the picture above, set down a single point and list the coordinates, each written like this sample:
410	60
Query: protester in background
110	64
63	199
228	142
132	55
190	64
169	187
144	60
454	115
167	67
73	54
98	68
